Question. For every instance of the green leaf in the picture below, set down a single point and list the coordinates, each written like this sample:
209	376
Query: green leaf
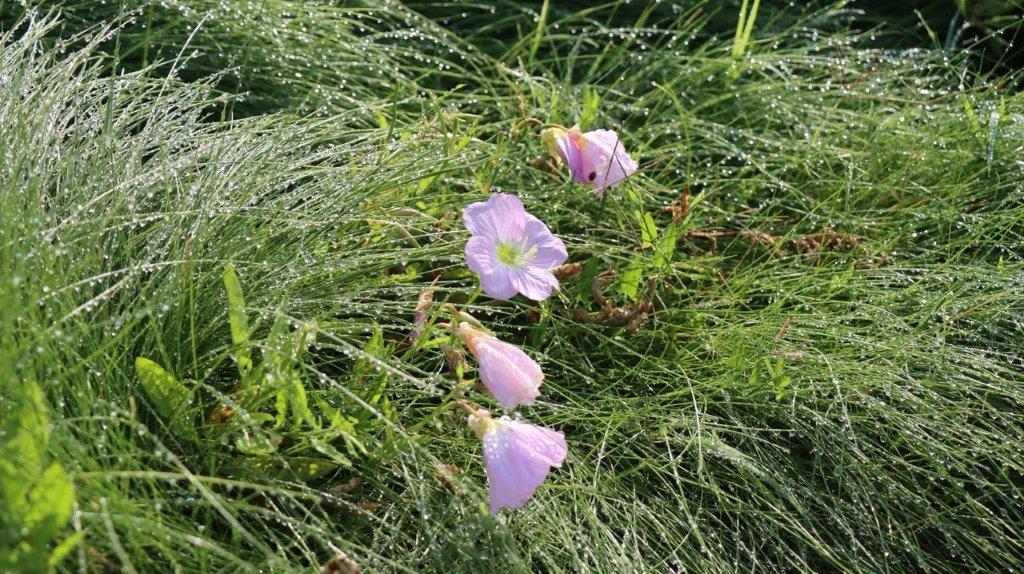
715	446
328	450
293	390
425	183
302	468
256	442
23	454
665	250
591	102
755	375
50	503
373	347
586	280
36	500
344	427
293	398
283	378
372	382
635	200
648	229
629	285
172	399
295	468
780	386
971	116
241	347
66	546
305	336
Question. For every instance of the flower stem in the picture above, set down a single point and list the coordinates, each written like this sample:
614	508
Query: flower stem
469	408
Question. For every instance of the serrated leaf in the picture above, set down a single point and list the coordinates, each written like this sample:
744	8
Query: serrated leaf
425	183
374	347
293	398
239	320
172	399
279	365
36	500
780	386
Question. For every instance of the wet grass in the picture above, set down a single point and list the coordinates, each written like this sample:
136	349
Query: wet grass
827	375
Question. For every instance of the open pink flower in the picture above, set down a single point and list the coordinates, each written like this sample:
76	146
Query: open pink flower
595	158
512	377
511	250
517	457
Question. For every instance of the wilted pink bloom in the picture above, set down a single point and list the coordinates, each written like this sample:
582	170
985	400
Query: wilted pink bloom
512	377
517	457
511	250
595	158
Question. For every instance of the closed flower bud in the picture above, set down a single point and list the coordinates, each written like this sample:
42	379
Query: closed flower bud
511	376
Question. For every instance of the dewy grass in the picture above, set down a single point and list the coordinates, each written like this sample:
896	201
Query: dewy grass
825	374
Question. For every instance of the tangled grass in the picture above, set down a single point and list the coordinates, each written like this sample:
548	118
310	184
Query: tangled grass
826	374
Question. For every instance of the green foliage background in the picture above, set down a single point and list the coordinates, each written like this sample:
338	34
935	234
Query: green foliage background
216	218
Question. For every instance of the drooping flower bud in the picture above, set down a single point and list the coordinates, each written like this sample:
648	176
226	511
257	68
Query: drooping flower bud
517	457
596	158
511	376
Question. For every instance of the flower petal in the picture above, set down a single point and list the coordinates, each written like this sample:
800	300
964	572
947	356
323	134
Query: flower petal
511	376
562	143
570	153
605	160
481	258
533	282
501	217
517	458
481	254
550	249
545	443
497	284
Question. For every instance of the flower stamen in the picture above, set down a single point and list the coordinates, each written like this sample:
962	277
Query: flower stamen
515	255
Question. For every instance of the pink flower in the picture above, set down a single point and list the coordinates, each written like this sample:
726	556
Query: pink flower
512	377
517	457
595	158
511	250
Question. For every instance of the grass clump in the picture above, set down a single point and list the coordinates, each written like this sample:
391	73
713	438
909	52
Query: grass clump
821	371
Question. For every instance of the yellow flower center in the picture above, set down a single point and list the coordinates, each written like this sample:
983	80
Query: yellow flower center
483	424
513	255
